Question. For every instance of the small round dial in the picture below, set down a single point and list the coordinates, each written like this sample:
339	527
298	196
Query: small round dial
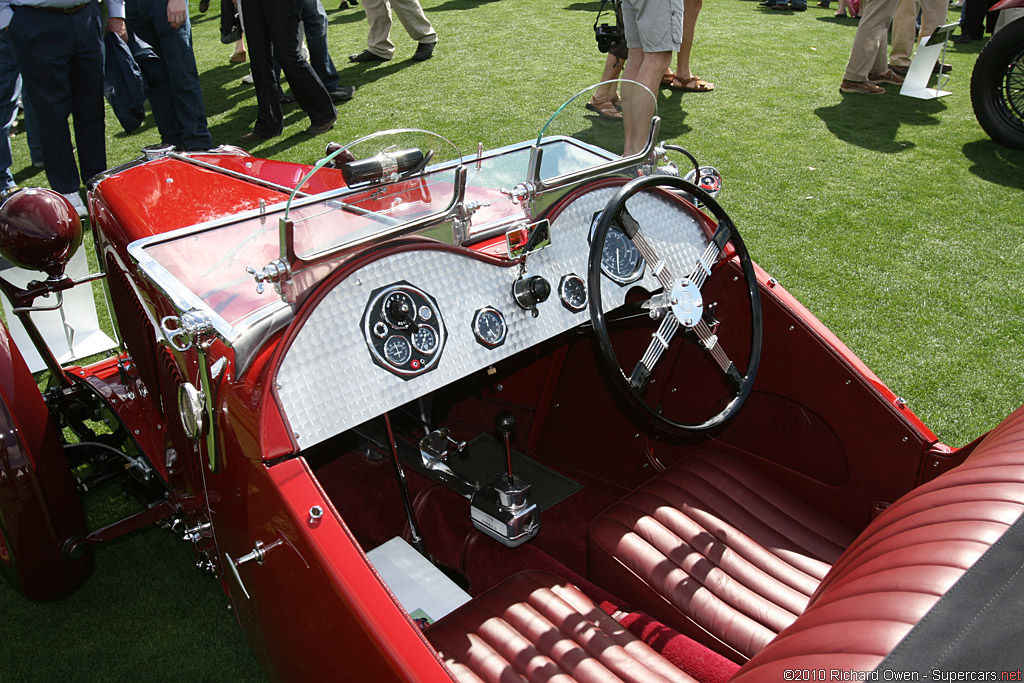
424	339
397	350
573	292
489	327
399	310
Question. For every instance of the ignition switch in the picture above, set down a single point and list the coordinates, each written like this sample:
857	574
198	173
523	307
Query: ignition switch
530	291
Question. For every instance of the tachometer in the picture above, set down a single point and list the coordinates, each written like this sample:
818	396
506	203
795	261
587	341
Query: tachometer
620	259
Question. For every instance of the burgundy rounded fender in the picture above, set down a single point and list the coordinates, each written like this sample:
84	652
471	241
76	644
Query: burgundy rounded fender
1006	4
39	505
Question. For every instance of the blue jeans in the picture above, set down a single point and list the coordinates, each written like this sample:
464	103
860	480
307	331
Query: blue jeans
314	25
177	100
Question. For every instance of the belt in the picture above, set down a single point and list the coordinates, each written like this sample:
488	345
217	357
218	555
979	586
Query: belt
61	10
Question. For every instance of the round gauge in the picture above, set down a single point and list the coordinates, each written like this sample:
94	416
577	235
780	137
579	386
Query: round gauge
425	312
573	292
489	327
620	259
399	309
424	339
397	350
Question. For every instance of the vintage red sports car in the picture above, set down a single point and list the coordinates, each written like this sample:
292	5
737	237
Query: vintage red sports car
530	413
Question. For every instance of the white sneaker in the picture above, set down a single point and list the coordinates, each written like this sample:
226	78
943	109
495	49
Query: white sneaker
76	201
247	78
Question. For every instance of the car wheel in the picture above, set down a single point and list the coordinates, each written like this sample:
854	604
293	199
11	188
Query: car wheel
997	86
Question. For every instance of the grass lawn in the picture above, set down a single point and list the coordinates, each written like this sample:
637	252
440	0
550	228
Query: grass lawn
894	220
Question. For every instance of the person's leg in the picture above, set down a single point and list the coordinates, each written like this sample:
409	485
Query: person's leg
868	54
414	20
10	88
261	63
44	54
140	19
88	109
314	22
185	101
691	8
285	29
378	41
638	106
35	147
904	33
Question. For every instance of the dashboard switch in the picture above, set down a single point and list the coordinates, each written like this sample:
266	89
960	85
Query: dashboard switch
530	291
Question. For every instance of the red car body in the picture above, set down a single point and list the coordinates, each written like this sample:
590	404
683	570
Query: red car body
248	487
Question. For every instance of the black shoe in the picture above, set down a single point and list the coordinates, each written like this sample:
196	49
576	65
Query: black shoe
941	68
780	6
253	136
424	51
204	5
287	98
965	38
367	56
342	94
798	8
825	4
318	128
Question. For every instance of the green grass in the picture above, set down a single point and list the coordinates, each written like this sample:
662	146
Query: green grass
896	221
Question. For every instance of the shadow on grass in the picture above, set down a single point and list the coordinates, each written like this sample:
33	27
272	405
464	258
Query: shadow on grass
872	121
457	4
996	164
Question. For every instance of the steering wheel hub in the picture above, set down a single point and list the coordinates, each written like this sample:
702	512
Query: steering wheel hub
686	302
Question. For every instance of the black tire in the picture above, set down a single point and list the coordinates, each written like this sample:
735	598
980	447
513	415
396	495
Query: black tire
997	86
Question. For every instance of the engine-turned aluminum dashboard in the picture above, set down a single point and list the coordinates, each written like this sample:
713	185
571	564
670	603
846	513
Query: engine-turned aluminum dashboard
333	377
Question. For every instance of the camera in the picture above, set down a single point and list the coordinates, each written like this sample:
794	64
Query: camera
607	36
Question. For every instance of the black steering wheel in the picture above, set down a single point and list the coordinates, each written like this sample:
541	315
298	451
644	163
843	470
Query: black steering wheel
678	304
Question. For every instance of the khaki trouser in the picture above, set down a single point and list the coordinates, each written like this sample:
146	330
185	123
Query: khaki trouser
904	24
868	54
410	13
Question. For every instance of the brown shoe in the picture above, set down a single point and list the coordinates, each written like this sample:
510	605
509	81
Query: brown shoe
861	87
900	71
887	76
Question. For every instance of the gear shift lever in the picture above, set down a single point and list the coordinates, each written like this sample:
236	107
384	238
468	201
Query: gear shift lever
505	423
502	509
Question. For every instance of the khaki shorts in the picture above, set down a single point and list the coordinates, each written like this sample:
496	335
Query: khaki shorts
653	25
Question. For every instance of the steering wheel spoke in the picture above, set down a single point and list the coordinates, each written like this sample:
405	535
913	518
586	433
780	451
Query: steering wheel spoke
679	305
660	342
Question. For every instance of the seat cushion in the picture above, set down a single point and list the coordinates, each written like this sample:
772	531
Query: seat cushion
537	627
715	550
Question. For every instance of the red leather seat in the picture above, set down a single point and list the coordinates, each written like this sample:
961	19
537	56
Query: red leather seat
721	551
717	551
538	627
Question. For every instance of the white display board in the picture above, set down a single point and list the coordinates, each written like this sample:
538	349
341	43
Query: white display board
72	331
915	84
421	588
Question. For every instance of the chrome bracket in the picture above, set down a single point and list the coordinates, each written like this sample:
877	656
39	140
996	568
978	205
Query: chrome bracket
258	553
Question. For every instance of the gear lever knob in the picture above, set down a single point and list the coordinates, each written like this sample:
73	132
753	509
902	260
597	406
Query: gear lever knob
505	423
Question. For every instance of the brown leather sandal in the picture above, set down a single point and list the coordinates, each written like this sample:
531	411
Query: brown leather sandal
605	107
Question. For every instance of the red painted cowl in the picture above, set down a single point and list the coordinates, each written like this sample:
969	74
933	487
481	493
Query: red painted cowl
39	230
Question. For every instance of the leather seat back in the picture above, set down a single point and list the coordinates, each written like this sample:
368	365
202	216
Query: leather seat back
903	562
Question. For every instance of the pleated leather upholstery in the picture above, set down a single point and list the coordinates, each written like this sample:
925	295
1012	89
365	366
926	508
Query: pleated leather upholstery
716	551
905	560
538	627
